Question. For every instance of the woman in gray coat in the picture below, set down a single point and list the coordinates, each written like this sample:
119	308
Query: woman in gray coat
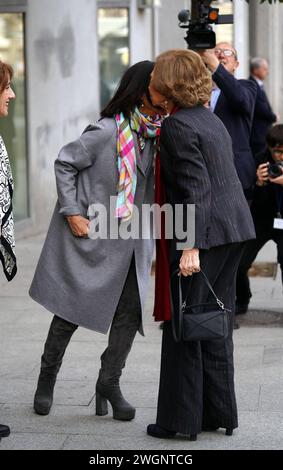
93	281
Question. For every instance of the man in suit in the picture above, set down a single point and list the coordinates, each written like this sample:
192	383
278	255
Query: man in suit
262	206
233	101
264	117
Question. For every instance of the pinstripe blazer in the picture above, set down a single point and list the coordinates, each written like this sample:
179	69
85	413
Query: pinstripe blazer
198	168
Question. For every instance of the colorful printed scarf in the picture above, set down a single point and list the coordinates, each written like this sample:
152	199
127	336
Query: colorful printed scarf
146	128
7	241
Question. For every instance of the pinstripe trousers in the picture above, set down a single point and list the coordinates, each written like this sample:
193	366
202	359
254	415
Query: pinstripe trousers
196	386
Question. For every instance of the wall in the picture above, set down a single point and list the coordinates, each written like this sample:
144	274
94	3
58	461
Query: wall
170	35
266	40
141	33
62	89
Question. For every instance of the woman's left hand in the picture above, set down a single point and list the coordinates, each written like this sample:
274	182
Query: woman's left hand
189	262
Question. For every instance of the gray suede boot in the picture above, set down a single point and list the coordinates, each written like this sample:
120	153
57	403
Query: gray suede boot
110	390
126	323
58	338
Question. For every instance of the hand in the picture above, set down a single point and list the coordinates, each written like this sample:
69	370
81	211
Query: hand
189	262
209	59
278	180
79	225
262	173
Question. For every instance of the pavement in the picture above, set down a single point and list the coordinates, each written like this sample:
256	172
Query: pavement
72	423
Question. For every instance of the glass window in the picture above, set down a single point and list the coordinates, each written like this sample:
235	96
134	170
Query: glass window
13	127
224	32
113	32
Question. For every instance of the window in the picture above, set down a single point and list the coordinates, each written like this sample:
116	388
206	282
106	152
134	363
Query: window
13	127
113	32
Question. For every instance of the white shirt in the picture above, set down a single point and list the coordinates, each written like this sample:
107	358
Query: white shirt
214	98
260	82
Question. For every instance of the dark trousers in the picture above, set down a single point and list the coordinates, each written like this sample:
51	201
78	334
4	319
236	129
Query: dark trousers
197	377
126	323
252	247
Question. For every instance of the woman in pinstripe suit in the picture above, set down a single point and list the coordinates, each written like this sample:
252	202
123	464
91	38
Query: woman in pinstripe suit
196	390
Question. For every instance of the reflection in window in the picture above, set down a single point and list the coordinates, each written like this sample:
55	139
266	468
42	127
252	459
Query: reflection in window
13	127
224	32
113	31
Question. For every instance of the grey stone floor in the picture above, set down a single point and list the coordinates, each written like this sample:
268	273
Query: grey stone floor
72	423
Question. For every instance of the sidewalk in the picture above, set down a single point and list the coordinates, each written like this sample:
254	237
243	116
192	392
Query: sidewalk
72	423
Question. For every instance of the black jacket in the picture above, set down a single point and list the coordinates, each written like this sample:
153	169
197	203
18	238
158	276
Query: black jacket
198	168
267	199
235	108
263	118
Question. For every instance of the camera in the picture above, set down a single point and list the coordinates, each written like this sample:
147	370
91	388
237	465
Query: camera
275	169
198	22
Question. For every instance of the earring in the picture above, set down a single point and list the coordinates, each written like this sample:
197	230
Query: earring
165	104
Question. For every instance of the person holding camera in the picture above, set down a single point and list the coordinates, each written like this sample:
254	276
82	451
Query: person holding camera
267	212
233	101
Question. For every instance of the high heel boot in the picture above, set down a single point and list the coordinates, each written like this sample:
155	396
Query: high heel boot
126	323
122	410
58	338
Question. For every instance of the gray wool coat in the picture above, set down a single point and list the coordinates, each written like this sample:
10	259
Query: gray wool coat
81	279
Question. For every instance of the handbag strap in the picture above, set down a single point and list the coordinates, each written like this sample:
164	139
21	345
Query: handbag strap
183	304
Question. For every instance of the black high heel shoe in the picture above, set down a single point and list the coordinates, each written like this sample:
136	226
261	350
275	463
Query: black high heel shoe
4	431
229	431
157	431
122	410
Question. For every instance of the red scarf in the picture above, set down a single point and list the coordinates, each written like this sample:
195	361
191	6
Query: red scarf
162	306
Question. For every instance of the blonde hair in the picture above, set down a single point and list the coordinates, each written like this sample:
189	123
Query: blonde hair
181	76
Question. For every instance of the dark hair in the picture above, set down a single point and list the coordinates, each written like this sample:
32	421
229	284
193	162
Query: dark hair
133	85
275	135
6	74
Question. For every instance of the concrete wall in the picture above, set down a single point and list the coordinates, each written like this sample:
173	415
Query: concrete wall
62	86
170	35
62	79
141	33
241	36
266	40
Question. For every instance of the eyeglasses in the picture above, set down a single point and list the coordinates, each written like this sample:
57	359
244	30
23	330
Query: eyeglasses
276	151
225	52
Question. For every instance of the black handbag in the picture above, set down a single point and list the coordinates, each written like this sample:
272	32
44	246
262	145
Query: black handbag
202	322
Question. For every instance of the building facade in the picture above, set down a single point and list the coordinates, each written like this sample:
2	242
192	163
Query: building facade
68	57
